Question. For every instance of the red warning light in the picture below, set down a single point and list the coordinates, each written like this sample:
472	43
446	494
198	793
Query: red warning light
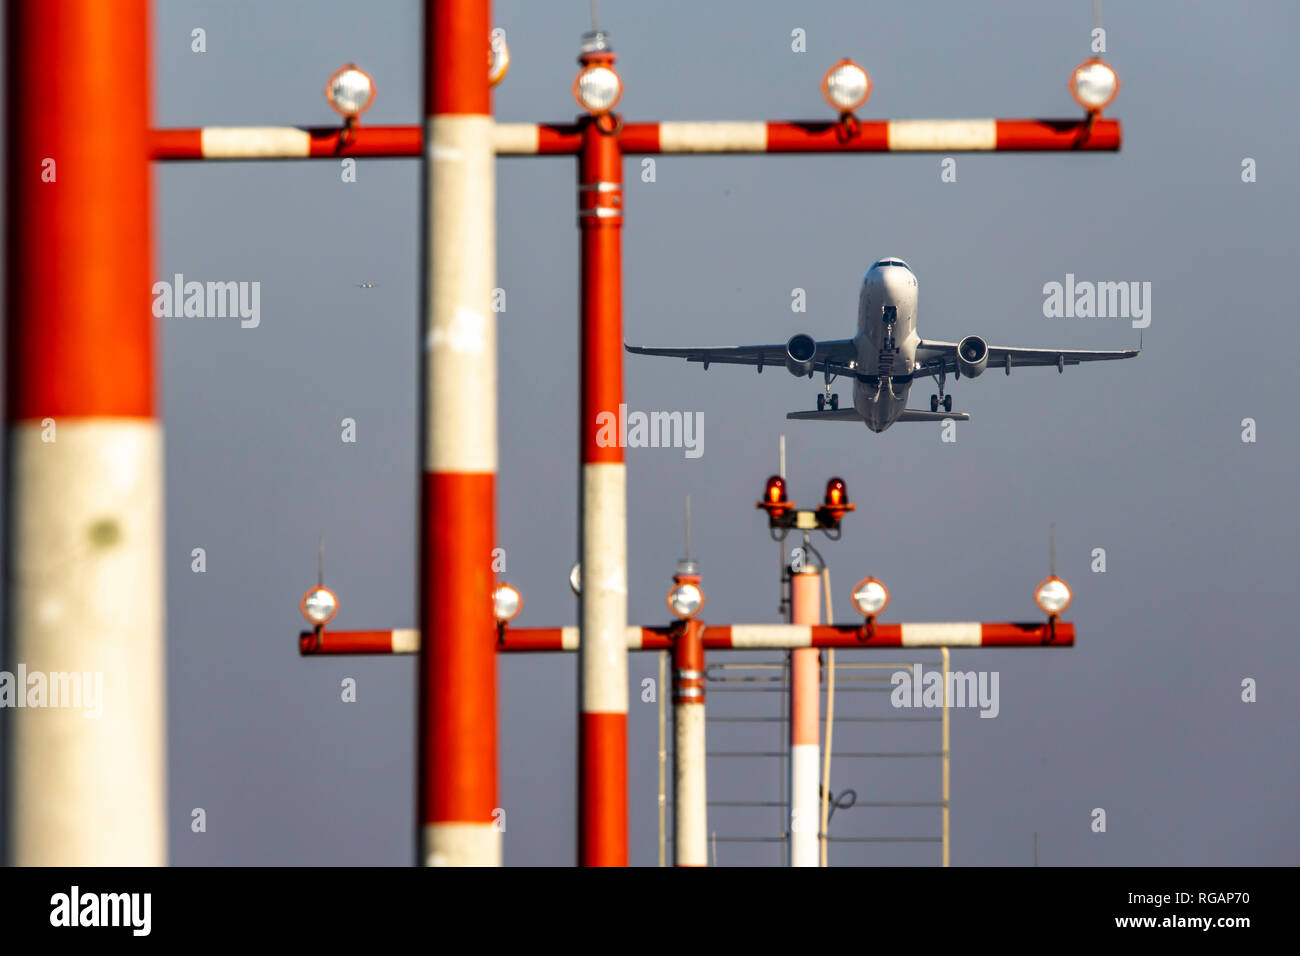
775	501
836	504
835	493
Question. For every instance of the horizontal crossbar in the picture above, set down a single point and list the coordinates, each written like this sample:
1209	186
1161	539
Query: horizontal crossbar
565	139
723	637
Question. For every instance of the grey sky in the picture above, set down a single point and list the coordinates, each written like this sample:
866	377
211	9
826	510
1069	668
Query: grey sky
1142	458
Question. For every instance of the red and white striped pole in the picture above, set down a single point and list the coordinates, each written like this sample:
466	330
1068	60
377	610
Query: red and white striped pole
690	789
84	582
805	709
742	637
458	713
707	138
602	604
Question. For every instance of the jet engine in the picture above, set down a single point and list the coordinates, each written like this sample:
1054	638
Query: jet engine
799	352
972	356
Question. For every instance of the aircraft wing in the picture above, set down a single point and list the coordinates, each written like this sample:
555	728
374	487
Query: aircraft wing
923	415
932	355
835	353
851	415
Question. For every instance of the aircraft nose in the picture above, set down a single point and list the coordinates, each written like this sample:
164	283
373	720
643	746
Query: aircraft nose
896	279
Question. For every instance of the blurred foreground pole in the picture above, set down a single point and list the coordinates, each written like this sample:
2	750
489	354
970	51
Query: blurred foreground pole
457	763
85	747
805	707
690	790
602	503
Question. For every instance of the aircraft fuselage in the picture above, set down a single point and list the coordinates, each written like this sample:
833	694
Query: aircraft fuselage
886	343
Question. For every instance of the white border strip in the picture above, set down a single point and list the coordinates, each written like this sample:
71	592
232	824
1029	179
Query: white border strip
771	635
516	139
712	137
248	142
928	136
954	634
406	641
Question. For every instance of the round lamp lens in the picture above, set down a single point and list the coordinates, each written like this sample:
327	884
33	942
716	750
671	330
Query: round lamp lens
847	86
506	602
598	89
1094	84
1053	596
319	605
870	597
350	91
498	57
685	600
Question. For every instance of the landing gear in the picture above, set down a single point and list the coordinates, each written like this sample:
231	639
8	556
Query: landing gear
826	399
941	398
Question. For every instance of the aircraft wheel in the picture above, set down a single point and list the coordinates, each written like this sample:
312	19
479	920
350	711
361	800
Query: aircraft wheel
947	403
821	402
835	402
934	403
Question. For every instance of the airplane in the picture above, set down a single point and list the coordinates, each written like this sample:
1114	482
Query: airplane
885	357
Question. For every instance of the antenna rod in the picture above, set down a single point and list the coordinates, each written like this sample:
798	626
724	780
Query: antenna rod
320	561
688	526
782	471
1052	550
